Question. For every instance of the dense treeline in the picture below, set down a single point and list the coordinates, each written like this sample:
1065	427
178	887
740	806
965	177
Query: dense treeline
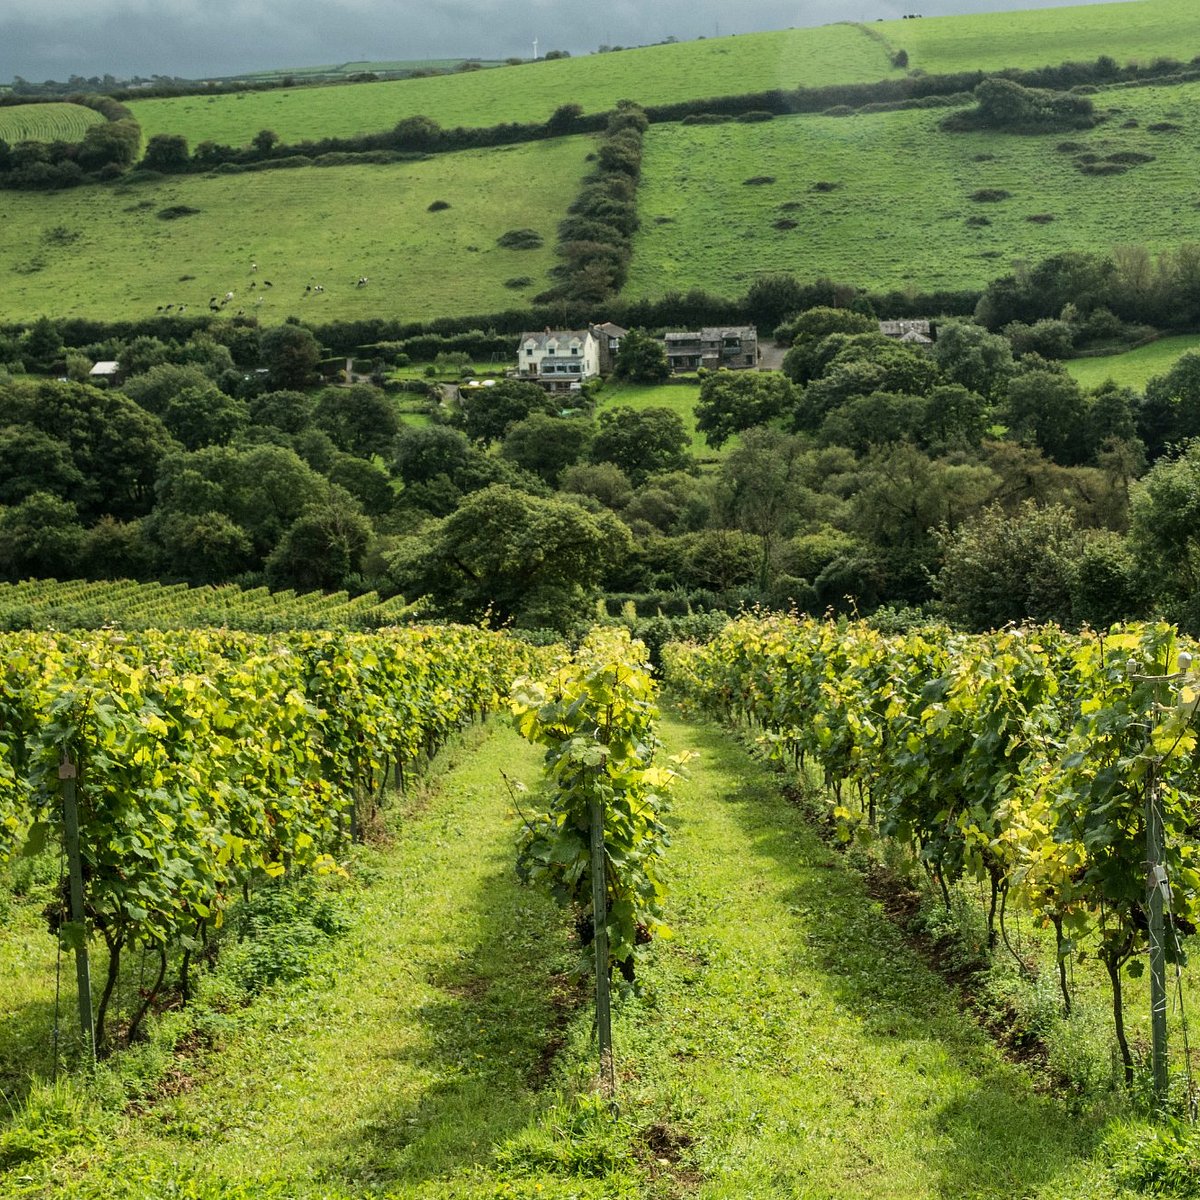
973	475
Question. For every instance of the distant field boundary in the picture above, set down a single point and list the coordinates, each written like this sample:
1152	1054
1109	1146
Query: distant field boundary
420	134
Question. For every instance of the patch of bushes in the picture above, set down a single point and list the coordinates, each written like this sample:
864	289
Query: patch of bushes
1068	147
990	195
438	206
826	185
1131	158
706	119
518	281
785	223
755	115
987	157
1040	218
978	222
1008	107
175	211
1163	127
758	180
1102	168
520	239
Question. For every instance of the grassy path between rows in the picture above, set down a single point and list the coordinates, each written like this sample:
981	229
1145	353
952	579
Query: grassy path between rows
786	1042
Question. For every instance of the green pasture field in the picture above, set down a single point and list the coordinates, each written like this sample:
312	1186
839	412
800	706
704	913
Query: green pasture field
46	122
899	201
302	227
1134	368
531	92
1129	31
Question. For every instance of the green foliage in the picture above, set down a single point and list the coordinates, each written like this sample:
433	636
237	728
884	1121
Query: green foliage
641	441
514	555
596	717
641	359
1004	105
731	401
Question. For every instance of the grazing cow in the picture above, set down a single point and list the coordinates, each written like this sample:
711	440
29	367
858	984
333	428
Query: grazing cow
228	297
267	283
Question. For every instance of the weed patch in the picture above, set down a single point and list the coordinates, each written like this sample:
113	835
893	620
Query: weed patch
758	180
990	195
520	239
174	211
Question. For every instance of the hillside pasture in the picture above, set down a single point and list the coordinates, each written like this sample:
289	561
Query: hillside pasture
884	200
532	91
1134	368
46	122
1128	31
304	228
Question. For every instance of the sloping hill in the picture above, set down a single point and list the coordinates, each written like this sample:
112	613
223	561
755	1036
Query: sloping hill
1128	31
884	199
120	258
655	74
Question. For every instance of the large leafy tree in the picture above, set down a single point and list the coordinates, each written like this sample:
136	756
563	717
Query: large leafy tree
731	401
641	441
641	359
489	413
516	556
361	419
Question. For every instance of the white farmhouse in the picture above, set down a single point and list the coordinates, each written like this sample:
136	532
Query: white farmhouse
558	359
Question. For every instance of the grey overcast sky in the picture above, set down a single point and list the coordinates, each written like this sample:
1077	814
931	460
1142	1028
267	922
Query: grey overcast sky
54	39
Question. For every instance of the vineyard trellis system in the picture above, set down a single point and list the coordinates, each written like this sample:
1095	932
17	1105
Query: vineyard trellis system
180	770
1055	768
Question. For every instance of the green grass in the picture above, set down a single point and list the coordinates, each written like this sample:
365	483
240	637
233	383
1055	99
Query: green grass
531	92
897	216
1135	367
303	227
1134	31
786	1042
46	122
680	398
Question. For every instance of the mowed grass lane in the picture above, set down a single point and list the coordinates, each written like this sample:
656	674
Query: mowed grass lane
303	228
46	122
531	92
1128	31
898	203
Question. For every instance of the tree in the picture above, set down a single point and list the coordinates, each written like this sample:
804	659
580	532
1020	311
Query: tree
203	547
516	556
33	461
1164	533
771	298
564	119
166	152
288	410
880	419
1048	409
264	141
641	441
968	355
324	546
1170	412
291	354
546	445
1003	566
820	321
41	346
361	419
40	536
641	359
731	401
367	482
489	413
114	443
204	416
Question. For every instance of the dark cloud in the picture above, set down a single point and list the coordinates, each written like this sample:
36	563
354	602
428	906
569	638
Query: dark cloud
54	39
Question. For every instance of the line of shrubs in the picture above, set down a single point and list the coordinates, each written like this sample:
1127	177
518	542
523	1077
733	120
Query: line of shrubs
595	238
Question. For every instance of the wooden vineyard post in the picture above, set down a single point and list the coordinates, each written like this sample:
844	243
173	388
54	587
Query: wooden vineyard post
87	1022
600	942
1156	886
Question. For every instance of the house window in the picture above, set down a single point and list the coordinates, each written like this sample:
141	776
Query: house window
529	352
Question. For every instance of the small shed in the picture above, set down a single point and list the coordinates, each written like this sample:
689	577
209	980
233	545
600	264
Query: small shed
106	371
